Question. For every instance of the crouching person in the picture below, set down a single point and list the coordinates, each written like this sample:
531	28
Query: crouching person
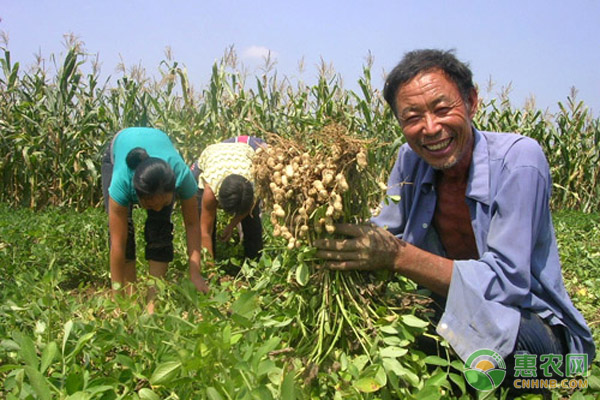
224	175
473	224
141	166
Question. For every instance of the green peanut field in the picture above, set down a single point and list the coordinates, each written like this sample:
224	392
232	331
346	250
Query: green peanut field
280	328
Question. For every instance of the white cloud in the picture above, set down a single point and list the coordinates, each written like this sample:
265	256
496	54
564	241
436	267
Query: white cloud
258	53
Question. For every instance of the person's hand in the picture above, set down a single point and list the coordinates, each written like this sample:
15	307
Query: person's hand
150	307
367	248
200	283
227	232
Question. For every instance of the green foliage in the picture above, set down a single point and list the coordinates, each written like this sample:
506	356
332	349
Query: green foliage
579	246
54	127
62	334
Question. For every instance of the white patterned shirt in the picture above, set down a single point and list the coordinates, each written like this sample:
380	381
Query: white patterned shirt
220	160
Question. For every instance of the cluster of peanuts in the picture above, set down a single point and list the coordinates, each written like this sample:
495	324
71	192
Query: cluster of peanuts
303	182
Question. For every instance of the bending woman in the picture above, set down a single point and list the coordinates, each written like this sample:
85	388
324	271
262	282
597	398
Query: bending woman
224	174
142	166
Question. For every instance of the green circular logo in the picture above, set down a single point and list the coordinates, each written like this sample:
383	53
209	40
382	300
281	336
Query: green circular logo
485	370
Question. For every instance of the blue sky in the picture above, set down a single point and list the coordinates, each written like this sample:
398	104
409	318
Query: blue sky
539	48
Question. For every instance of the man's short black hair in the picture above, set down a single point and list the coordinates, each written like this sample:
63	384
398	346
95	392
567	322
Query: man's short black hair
417	61
236	195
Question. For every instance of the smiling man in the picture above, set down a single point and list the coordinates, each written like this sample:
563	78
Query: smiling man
473	224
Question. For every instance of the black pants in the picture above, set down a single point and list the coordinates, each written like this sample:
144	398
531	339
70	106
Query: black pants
252	229
536	338
158	229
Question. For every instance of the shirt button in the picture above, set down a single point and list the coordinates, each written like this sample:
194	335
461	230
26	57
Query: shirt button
443	326
425	225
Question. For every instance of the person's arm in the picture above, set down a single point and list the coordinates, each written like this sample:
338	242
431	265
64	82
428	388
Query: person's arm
207	219
228	231
189	210
120	271
371	248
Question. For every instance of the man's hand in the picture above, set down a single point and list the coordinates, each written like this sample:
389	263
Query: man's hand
368	248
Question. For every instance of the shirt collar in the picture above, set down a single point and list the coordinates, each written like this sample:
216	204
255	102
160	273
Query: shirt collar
479	176
479	172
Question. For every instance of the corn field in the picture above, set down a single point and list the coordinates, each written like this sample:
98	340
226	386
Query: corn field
53	127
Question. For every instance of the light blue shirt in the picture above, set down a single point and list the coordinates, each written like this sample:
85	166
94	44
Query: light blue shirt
508	196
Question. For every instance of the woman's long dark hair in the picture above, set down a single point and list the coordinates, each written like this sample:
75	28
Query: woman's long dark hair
152	175
236	195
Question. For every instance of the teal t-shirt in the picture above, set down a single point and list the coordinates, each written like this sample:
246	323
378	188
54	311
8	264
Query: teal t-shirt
157	144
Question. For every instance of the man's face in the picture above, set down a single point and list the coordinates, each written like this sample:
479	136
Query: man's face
435	119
